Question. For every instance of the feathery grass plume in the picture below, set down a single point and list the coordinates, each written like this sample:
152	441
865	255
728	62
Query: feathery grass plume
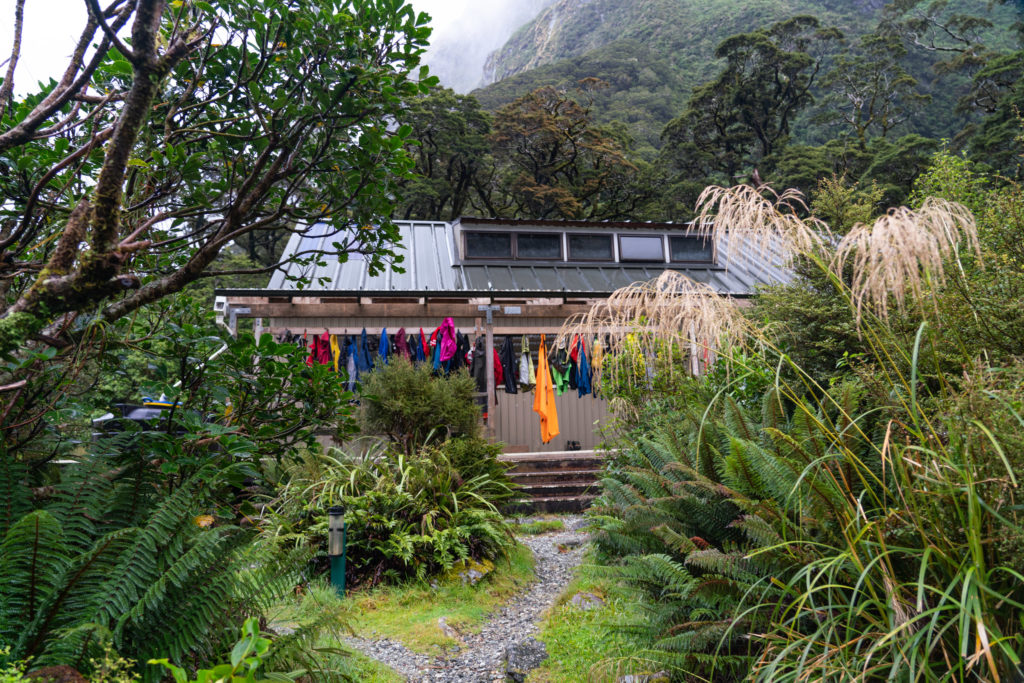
666	317
902	252
759	219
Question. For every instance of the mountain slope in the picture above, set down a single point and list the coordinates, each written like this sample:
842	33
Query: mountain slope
653	52
570	28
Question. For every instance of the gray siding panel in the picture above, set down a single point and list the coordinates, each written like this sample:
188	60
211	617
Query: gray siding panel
519	427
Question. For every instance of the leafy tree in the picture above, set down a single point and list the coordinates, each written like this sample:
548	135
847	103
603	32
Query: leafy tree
998	90
124	180
449	144
551	161
745	114
869	90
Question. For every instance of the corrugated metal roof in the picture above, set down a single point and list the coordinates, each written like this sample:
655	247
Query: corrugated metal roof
432	267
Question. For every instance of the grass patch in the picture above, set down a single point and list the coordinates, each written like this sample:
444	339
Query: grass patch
409	613
367	670
540	526
588	645
336	661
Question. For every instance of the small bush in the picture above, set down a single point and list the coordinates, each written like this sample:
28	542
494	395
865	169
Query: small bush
408	516
407	403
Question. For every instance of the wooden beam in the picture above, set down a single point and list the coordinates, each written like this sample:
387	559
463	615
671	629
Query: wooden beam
381	309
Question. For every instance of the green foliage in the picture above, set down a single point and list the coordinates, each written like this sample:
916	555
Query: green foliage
409	612
869	90
551	160
837	502
745	113
407	515
983	313
448	143
408	403
247	657
140	542
228	121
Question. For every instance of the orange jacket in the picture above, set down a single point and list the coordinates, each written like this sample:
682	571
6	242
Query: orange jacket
544	397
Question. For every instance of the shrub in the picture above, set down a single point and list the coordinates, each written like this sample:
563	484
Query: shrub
141	541
407	516
848	527
407	403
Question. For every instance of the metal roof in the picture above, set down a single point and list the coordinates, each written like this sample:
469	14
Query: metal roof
432	268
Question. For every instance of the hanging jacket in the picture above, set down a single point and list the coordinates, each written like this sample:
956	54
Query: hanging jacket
384	349
574	348
544	398
508	366
364	361
401	344
596	353
478	365
350	365
416	344
335	351
499	372
323	351
424	345
320	350
560	369
526	369
582	371
446	339
458	359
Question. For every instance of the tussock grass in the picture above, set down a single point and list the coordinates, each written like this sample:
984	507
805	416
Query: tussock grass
766	222
904	253
671	314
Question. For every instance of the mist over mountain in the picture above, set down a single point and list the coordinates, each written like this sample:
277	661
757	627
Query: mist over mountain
652	53
466	32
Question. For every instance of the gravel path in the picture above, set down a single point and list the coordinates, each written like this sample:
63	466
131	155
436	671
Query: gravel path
480	658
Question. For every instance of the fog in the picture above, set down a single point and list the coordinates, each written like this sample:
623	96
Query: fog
467	31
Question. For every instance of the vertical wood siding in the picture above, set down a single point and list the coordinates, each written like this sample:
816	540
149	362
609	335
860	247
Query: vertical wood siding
578	420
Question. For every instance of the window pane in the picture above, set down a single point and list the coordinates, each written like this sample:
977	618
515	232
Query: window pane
640	249
590	247
692	249
538	246
488	245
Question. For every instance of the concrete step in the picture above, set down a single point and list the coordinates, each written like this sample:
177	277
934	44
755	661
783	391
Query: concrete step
554	477
563	488
549	504
548	462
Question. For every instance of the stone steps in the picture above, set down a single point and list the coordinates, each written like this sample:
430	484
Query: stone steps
562	481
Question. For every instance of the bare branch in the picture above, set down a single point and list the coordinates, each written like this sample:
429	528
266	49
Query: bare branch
97	15
7	89
70	85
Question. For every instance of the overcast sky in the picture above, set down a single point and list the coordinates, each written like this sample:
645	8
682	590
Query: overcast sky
465	32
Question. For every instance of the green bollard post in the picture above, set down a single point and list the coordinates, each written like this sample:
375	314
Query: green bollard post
336	546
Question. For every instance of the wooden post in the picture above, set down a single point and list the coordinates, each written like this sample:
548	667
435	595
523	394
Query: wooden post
489	369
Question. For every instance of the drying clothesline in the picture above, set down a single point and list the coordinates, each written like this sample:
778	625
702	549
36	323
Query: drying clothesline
448	350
